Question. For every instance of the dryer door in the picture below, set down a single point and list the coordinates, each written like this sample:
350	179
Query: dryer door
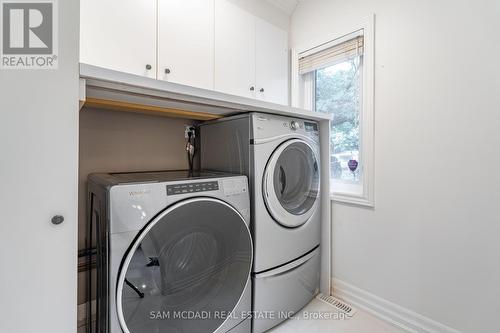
291	183
186	270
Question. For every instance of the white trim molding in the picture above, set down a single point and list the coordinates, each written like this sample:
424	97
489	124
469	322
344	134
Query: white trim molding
364	194
386	310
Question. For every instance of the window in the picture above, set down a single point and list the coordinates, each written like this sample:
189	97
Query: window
337	92
336	77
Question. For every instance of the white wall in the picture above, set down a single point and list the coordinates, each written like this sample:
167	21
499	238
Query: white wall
38	177
432	242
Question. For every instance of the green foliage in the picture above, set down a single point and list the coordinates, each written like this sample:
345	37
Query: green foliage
338	93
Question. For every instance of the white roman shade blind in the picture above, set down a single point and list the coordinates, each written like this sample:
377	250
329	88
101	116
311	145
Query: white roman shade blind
327	56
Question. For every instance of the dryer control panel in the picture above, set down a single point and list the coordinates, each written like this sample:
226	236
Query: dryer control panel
192	187
311	127
266	126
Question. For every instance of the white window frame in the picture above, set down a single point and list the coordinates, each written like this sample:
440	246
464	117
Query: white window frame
302	97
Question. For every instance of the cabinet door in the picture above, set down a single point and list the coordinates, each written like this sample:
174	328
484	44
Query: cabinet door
39	177
234	50
271	63
186	42
119	35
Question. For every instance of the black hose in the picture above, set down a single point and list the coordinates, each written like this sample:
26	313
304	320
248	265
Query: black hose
191	150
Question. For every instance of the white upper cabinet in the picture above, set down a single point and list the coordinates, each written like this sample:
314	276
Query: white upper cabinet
210	44
119	35
251	56
186	42
234	50
271	63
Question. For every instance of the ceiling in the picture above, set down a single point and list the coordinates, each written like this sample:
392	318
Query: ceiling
288	6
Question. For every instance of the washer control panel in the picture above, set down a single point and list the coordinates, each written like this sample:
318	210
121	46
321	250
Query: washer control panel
192	187
234	186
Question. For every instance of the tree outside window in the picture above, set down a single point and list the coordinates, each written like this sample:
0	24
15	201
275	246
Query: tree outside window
338	92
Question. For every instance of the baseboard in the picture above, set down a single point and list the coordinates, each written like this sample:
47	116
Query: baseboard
388	311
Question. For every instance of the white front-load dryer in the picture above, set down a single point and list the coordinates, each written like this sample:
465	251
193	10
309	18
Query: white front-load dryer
281	156
174	252
285	191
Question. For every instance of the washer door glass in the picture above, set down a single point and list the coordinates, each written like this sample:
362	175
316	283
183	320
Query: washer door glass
186	270
292	180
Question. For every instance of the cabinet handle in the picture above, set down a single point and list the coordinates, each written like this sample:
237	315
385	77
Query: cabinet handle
167	70
252	88
261	90
148	67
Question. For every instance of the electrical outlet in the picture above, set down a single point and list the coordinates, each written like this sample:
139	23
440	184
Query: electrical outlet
187	129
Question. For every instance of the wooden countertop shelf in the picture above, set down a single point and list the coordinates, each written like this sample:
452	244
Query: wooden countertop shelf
146	109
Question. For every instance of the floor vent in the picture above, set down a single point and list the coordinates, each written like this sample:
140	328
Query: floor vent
338	304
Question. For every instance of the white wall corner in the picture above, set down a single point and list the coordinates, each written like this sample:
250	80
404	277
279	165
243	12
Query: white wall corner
287	6
82	92
386	310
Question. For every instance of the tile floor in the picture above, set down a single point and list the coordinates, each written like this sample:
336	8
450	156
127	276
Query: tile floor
361	322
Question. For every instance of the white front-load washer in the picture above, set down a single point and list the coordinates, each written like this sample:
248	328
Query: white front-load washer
281	156
174	252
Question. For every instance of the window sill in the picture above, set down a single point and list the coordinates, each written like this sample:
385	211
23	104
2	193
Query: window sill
357	200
